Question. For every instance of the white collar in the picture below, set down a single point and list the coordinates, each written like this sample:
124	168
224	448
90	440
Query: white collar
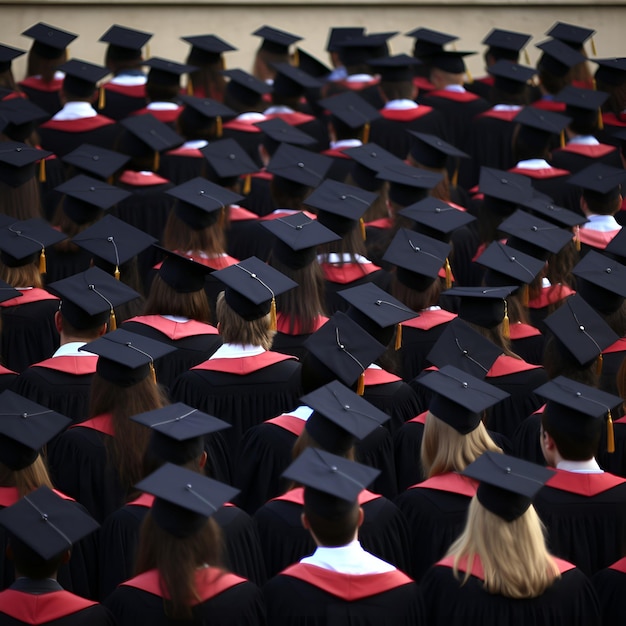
251	116
71	349
348	559
432	308
303	412
403	104
584	140
507	107
236	351
129	80
359	78
545	283
162	106
455	88
335	257
179	319
534	164
602	223
580	467
279	108
345	143
196	144
75	111
339	73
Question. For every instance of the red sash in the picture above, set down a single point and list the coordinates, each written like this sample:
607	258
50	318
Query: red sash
550	295
541	174
132	91
523	331
137	179
384	223
263	175
296	496
485	80
166	116
100	423
348	272
374	376
596	238
549	105
239	214
41	608
405	115
290	423
610	119
185	152
293	119
505	365
477	567
145	500
175	330
10	495
81	125
587	485
419	419
593	152
35	82
70	364
430	319
618	346
505	116
450	482
6	370
422	83
275	215
455	96
619	566
282	325
29	295
358	85
337	153
244	365
244	126
348	587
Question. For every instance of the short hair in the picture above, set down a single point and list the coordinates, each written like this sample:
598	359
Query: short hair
28	563
330	531
573	444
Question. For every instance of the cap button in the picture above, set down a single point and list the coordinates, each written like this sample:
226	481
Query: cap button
507	470
373	154
504	181
95	157
252	275
333	468
534	228
342	347
24	415
581	328
300	164
188	487
44	517
465	385
201	192
109	239
18	149
608	270
465	353
437	210
346	407
512	258
299	226
578	394
232	157
342	197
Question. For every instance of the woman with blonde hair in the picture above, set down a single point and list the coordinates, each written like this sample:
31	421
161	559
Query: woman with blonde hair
499	570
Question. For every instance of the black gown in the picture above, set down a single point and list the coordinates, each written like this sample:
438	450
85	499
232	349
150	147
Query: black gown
122	100
290	340
182	164
577	157
609	585
61	137
44	95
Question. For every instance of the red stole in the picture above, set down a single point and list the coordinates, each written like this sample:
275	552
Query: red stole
587	485
29	295
593	152
137	179
337	153
41	608
618	346
145	500
132	91
549	105
384	222
429	319
100	423
419	419
296	496
596	238
167	116
405	115
293	119
505	116
477	567
619	566
193	153
35	82
523	331
244	126
422	83
354	85
282	325
455	96
610	119
374	376
541	174
10	495
239	214
71	364
82	125
290	423
550	295
348	272
505	365
5	370
244	365
175	330
450	482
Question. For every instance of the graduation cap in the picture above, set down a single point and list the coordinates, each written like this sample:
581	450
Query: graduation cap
361	49
339	205
558	215
206	49
198	111
436	218
25	427
7	292
340	417
534	236
460	399
573	36
275	40
178	431
506	190
18	118
277	131
311	65
252	287
89	298
395	69
113	242
558	58
448	61
297	237
408	184
578	99
339	34
611	71
377	312
49	42
166	72
505	44
617	246
81	77
428	42
21	241
7	54
508	266
538	126
46	523
292	82
85	197
601	281
125	43
510	77
299	166
227	161
599	181
578	410
18	161
417	257
184	499
182	273
432	151
464	348
352	111
331	483
126	358
245	88
580	332
507	484
96	161
369	160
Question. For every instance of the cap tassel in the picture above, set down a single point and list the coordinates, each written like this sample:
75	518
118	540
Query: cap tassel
157	162
577	238
101	99
42	171
526	57
398	344
153	373
116	273
218	126
222	218
448	270
189	87
247	185
148	55
524	295
296	58
600	120
470	79
360	388
112	321
610	434
366	133
455	178
362	225
506	328
599	364
273	325
42	262
563	139
593	48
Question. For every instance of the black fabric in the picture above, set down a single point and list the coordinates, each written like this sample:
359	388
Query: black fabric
381	278
180	168
63	142
609	587
574	163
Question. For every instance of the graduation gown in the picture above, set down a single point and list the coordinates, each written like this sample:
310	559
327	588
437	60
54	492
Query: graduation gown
575	157
243	130
29	334
44	95
7	378
550	298
609	585
259	200
552	182
41	602
569	600
289	340
63	136
585	515
224	599
119	539
121	100
62	263
526	444
284	540
167	114
364	85
595	239
527	342
182	164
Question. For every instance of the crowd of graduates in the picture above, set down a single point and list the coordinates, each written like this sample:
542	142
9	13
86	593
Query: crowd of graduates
324	343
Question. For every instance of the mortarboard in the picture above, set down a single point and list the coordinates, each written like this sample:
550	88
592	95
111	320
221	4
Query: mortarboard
206	49
549	211
408	184
505	44
361	49
18	161
25	428
184	499
312	66
226	162
81	77
7	54
292	82
510	77
182	273
448	61
611	71
338	34
125	44
432	151
507	484
198	110
537	126
21	241
436	218
351	110
600	181
507	189
460	399
147	136
18	117
558	58
601	281
245	88
428	42
582	105
277	131
483	306
275	40
370	159
7	292
508	266
96	161
299	166
573	36
617	246
395	68
49	42
166	72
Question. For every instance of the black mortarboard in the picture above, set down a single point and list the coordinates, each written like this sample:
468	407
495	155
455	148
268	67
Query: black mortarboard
344	348
580	331
534	236
340	417
417	257
582	104
432	151
96	161
436	218
339	206
46	523
483	306
370	159
599	181
549	211
601	281
126	358
408	184
506	188
178	432
507	484
292	82
7	54
124	43
226	162
611	71
203	109
7	292
166	72
299	166
251	287
206	48
350	109
428	41
147	136
510	77
538	125
245	88
183	273
50	42
341	33
617	246
312	66
558	58
88	299
363	48
184	499
81	77
460	399
200	201
18	161
275	40
331	483
505	44
574	36
508	266
18	117
397	68
277	131
297	237
25	428
114	242
86	197
22	241
448	61
465	348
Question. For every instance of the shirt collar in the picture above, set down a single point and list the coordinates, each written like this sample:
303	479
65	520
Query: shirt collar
345	143
236	351
403	104
71	349
584	140
455	88
75	111
348	559
580	467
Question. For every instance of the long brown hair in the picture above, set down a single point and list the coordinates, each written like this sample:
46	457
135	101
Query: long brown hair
208	79
27	479
163	300
351	244
415	299
234	329
21	276
23	202
177	235
40	66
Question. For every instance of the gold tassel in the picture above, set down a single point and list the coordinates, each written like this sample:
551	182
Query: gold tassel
362	225
593	48
189	87
42	171
470	79
147	51
455	177
524	295
526	57
360	388
599	364
247	184
577	238
42	262
157	162
273	314
116	273
600	120
563	139
366	133
506	329
110	180
222	218
610	434
218	126
112	321
296	58
101	98
153	373
448	274
398	337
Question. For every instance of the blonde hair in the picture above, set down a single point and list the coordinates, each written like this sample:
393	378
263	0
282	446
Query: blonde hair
27	479
514	557
445	449
22	275
234	329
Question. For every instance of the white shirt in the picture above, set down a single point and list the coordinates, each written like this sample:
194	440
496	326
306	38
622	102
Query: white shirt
348	559
179	319
75	111
584	140
251	116
303	412
71	349
602	223
359	78
162	106
195	144
236	351
402	104
335	257
580	467
129	80
455	88
345	143
534	164
507	107
279	108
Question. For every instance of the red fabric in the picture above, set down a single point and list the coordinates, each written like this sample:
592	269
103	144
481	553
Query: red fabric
81	125
596	238
6	370
41	608
239	214
505	365
243	125
68	364
337	153
619	566
384	223
101	423
549	105
137	179
263	175
145	500
289	423
375	376
588	485
618	346
296	496
10	495
175	330
35	82
293	119
348	272
29	295
610	119
282	325
542	174
477	568
506	116
523	331
419	419
422	83
275	215
456	96
132	91
405	115
244	365
430	319
167	116
550	295
354	85
185	152
593	152
450	482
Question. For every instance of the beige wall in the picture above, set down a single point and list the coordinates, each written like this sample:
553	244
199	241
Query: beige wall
234	21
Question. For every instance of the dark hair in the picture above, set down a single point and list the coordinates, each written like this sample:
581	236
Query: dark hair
601	204
22	202
163	300
351	244
288	195
552	83
207	79
40	66
616	101
28	563
558	362
336	531
397	90
178	235
161	93
415	299
501	96
571	445
192	125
